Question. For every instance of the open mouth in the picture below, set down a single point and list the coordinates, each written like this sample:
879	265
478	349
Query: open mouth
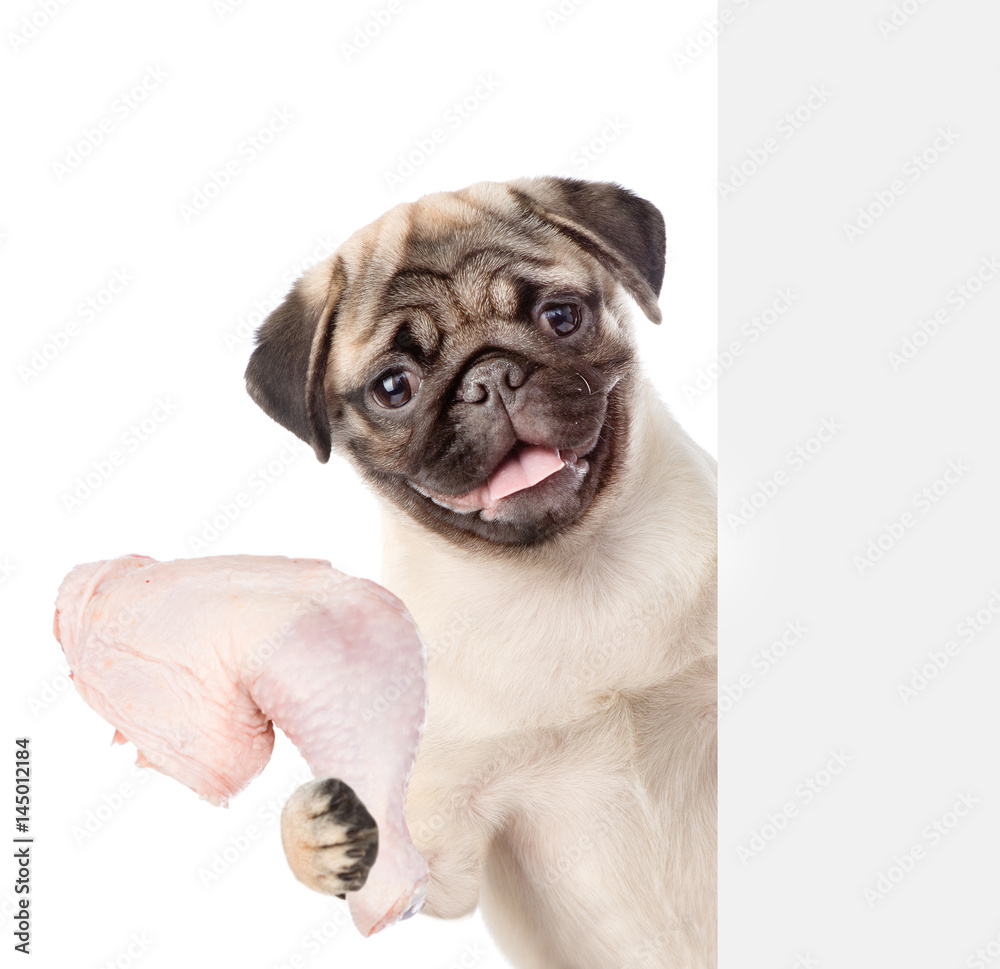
524	467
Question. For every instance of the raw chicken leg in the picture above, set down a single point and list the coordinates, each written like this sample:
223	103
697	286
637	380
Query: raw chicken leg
190	660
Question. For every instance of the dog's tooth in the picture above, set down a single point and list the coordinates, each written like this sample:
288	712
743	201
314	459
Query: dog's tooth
484	500
457	511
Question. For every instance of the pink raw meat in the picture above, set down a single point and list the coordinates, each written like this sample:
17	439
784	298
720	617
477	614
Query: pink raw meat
191	660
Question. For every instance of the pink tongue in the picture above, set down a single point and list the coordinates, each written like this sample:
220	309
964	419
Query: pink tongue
522	470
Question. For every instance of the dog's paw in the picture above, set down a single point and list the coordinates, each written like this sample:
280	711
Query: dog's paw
330	839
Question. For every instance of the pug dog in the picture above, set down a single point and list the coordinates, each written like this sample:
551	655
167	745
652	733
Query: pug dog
552	530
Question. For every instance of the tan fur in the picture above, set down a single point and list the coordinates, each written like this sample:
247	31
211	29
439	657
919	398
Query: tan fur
566	778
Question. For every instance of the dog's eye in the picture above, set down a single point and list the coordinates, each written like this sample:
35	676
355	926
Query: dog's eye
562	320
395	388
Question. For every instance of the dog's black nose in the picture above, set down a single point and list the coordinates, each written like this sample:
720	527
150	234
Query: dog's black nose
487	379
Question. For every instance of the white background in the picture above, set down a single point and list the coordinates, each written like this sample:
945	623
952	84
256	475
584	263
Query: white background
547	87
834	879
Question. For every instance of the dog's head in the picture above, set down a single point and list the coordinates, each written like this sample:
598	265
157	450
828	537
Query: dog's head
470	352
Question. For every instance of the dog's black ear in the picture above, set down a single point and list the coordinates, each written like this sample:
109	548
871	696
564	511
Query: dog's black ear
625	232
285	375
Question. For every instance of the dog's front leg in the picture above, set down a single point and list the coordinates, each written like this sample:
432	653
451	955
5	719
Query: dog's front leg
454	809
